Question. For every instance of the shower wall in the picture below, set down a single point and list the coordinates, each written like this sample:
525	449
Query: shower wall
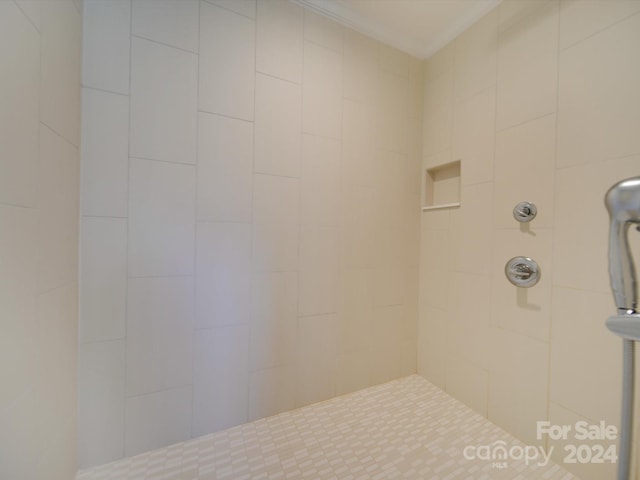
540	102
40	46
250	217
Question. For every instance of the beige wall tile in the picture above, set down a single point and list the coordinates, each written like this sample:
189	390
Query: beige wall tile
581	237
60	60
274	316
157	420
586	357
278	112
523	310
225	160
471	230
223	274
438	114
316	359
103	279
164	102
475	57
174	22
106	51
19	117
320	182
524	171
469	307
474	137
101	400
279	39
322	91
468	383
58	181
518	378
160	321
271	391
432	350
528	67
226	62
245	8
161	215
579	19
559	415
594	121
105	153
323	31
220	378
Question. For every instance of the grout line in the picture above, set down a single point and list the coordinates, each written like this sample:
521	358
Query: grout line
83	216
170	162
252	273
104	90
126	312
194	281
134	277
157	42
594	34
553	221
530	120
222	114
24	13
210	3
275	77
62	137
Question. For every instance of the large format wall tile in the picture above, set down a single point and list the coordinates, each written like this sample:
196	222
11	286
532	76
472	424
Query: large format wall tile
598	120
58	211
164	95
19	115
221	378
106	45
101	400
159	334
103	279
227	62
161	218
225	159
528	66
157	419
278	111
279	40
223	274
322	91
105	153
174	22
61	35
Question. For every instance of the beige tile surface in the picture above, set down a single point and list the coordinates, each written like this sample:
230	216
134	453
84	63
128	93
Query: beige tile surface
174	22
595	121
407	428
279	38
226	62
528	66
524	171
278	112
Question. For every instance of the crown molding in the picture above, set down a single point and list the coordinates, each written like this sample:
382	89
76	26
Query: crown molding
347	17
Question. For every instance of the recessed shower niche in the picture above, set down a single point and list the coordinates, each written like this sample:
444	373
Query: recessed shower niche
442	186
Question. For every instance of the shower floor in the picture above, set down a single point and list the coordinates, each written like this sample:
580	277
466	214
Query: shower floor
404	429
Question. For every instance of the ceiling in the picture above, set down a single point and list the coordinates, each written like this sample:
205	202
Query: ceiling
418	27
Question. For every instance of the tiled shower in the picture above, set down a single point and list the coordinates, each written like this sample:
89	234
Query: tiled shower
242	184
